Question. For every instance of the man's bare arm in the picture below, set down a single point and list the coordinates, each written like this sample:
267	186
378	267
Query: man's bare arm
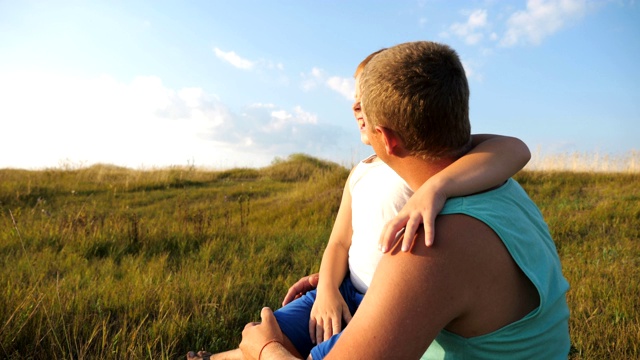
466	283
412	297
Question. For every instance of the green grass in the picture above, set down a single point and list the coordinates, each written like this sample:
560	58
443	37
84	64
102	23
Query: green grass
116	263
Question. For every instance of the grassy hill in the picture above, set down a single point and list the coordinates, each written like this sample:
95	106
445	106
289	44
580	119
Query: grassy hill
116	263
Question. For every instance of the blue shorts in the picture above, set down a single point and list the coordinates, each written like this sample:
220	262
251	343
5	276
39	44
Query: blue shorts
293	319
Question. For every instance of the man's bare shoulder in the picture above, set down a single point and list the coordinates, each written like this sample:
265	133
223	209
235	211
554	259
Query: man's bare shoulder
453	284
456	235
468	246
408	286
493	289
460	229
448	266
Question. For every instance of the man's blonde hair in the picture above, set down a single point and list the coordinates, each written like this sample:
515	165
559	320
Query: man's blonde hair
420	91
366	60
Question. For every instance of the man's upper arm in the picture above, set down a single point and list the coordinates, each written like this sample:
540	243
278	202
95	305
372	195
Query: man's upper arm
412	297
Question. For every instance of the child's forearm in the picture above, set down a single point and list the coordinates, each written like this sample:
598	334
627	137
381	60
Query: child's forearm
333	267
492	161
335	259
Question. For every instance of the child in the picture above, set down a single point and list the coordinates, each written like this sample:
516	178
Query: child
373	195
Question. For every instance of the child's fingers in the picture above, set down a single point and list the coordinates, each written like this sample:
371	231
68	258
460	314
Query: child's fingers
312	330
391	233
428	236
346	314
410	231
319	332
429	228
336	327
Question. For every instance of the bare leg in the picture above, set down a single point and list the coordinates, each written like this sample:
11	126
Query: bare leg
236	354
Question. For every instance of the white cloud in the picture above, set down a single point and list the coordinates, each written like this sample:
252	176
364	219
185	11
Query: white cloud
317	76
244	64
477	19
282	118
470	71
311	80
280	132
542	18
102	120
304	116
48	118
261	105
343	86
272	65
278	120
234	59
317	73
470	31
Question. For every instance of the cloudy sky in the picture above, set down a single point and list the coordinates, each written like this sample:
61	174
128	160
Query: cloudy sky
221	84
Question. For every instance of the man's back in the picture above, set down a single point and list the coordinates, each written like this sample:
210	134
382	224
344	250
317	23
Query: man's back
471	286
518	306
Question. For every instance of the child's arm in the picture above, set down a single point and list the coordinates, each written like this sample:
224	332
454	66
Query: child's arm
492	161
329	307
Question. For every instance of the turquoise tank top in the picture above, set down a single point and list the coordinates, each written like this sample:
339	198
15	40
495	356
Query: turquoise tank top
543	333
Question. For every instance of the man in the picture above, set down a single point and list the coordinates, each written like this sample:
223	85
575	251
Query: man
491	286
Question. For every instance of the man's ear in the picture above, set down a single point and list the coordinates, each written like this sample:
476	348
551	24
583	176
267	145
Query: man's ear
390	139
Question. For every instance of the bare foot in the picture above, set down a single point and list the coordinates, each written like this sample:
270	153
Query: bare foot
201	355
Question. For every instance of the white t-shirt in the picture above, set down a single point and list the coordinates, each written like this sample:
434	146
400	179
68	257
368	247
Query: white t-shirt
377	194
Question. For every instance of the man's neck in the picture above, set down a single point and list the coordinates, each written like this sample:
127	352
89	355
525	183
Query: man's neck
415	171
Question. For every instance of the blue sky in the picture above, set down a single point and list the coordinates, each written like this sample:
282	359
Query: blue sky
221	84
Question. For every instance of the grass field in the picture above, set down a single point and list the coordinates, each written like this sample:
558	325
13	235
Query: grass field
628	162
113	263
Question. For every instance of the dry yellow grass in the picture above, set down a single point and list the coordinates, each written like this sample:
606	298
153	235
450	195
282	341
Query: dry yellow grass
585	162
111	263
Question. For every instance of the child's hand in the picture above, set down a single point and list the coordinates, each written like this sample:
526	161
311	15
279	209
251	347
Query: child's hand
301	287
326	316
422	208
